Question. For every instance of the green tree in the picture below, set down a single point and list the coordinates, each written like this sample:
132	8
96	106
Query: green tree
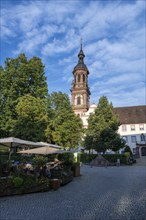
103	126
32	118
128	149
109	139
19	77
64	128
88	142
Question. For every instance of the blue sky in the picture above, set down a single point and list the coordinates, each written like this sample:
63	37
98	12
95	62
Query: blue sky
113	33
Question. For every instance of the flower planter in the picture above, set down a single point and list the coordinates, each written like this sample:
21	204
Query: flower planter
55	184
76	170
66	180
39	187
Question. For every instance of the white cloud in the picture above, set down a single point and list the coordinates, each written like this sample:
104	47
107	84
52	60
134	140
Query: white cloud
124	79
117	57
35	38
119	96
128	98
58	46
113	41
6	31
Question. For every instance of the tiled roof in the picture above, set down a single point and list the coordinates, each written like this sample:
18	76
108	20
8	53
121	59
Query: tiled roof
131	115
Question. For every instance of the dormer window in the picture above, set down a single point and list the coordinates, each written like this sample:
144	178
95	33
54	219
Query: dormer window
141	127
132	127
124	128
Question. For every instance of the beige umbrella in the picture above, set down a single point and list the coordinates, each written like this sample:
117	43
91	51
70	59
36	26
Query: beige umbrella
43	150
50	145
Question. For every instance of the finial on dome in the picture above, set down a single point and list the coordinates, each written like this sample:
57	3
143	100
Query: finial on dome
81	53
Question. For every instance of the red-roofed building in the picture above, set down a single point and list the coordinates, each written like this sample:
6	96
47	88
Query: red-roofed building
133	127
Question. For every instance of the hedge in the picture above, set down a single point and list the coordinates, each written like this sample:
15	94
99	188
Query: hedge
112	158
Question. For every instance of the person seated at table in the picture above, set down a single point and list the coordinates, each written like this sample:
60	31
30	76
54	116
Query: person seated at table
45	172
12	170
48	172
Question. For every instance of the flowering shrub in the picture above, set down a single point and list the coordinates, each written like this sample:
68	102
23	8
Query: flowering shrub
17	181
39	160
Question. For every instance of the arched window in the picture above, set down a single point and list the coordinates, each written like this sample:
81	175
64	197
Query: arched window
83	78
78	100
79	78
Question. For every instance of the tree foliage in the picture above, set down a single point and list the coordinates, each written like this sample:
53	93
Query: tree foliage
27	110
64	128
102	128
18	78
128	149
88	141
32	118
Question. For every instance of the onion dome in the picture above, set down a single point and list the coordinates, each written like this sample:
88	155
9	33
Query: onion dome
81	64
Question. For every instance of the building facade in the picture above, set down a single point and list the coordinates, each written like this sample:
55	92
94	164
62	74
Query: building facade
80	91
132	119
133	127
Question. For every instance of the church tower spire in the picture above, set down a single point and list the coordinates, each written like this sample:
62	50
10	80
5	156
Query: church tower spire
81	43
81	54
80	91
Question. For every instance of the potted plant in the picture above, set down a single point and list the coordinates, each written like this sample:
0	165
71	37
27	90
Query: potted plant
76	169
76	165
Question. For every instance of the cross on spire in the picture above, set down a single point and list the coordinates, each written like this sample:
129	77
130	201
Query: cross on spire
81	43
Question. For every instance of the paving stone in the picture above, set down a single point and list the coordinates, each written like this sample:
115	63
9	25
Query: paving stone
113	193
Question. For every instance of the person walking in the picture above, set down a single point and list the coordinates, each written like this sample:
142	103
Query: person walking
118	162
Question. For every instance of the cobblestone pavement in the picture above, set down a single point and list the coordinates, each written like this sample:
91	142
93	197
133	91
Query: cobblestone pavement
141	161
113	193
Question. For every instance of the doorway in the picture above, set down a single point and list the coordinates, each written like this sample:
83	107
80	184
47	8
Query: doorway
143	151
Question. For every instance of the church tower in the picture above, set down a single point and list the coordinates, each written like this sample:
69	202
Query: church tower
80	91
